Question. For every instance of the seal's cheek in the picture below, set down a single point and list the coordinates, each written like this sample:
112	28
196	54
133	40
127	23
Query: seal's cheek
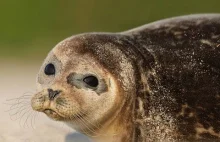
100	103
94	104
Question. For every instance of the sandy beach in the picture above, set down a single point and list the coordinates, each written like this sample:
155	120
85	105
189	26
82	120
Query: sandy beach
18	122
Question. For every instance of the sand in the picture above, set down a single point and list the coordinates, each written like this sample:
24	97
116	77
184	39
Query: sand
17	79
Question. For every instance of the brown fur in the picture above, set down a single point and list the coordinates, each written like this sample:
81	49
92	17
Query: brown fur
162	80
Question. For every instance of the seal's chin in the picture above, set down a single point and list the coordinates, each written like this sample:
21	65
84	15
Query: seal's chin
53	114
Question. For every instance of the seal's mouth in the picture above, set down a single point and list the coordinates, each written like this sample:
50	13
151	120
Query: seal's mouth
49	111
53	114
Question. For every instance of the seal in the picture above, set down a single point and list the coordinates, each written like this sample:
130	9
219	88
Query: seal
158	82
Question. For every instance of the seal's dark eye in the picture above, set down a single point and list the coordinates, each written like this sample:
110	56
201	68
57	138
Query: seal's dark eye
91	81
49	69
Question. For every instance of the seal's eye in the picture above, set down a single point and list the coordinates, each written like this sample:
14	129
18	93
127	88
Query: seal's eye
49	69
91	81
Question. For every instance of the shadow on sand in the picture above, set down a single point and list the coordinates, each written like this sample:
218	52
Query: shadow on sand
76	137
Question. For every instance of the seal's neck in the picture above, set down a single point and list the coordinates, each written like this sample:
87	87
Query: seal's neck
115	131
119	128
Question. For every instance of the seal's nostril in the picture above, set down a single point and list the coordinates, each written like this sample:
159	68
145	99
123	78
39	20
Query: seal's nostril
53	94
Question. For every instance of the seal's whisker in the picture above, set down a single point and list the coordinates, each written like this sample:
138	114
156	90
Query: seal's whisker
17	100
37	113
20	109
91	129
12	101
75	118
17	107
28	107
13	107
18	115
96	126
15	115
85	123
83	113
18	104
32	119
79	120
26	112
22	96
26	121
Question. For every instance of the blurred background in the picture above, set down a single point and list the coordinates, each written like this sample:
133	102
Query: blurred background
29	29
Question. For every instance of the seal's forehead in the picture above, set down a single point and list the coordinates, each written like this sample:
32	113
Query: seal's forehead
67	48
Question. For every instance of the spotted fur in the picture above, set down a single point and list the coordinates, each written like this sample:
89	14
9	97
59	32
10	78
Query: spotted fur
168	73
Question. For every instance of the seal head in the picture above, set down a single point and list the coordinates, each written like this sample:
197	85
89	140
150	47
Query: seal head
88	81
